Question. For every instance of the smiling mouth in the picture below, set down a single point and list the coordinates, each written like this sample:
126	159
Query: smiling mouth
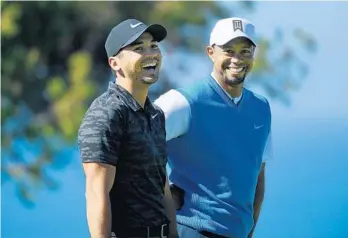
150	67
237	70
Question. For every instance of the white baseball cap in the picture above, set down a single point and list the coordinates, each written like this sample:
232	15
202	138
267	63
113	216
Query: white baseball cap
231	28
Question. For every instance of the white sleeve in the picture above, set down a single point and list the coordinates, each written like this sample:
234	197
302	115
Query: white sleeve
268	152
177	112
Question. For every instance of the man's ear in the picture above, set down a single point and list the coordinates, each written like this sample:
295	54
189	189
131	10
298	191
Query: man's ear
254	52
113	63
210	52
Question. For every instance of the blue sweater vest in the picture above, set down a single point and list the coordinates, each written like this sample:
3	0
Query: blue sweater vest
218	160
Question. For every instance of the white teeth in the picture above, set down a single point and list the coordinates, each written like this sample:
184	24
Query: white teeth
152	64
237	70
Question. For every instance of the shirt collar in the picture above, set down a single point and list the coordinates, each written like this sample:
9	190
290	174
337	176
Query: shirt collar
128	99
234	100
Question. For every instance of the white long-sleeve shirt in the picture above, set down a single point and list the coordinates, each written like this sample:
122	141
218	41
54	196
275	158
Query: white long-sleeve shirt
178	114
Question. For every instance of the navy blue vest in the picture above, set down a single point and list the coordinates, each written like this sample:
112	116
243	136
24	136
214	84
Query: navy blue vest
218	160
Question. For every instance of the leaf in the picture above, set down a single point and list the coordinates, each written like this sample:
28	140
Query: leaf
55	87
9	17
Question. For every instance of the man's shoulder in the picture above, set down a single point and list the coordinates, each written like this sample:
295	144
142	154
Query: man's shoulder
197	85
195	90
182	97
256	98
172	98
106	102
101	110
158	109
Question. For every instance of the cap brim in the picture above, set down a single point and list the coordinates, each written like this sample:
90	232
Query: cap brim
157	31
239	35
248	38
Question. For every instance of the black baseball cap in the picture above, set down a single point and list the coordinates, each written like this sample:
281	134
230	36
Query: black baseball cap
129	31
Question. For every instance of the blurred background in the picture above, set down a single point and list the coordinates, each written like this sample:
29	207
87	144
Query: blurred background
53	64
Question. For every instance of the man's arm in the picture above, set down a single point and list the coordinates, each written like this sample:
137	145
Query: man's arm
99	141
259	195
177	113
170	209
99	181
260	187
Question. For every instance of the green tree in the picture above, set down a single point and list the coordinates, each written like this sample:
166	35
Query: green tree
54	64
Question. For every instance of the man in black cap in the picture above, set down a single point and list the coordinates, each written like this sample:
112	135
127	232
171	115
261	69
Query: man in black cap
122	142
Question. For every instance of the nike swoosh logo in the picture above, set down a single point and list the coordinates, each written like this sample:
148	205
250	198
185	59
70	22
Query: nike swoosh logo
258	127
154	116
135	25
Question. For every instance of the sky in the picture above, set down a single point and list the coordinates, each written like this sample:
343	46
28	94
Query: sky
306	181
328	80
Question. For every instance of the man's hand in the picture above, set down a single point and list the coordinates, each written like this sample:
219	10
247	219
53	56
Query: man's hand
178	196
259	194
176	201
99	181
170	209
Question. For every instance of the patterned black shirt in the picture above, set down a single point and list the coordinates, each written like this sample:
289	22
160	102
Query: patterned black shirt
116	130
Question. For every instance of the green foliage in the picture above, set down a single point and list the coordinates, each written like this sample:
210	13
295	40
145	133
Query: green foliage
54	65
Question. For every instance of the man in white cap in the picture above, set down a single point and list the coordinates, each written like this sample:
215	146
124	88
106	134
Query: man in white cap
219	138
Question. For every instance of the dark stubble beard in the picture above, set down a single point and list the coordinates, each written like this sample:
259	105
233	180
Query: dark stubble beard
138	73
137	76
237	81
149	82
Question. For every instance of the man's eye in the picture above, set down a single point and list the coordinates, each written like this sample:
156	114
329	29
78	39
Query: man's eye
229	51
138	48
246	52
154	46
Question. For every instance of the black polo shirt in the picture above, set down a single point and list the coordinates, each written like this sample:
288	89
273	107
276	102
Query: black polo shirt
116	130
